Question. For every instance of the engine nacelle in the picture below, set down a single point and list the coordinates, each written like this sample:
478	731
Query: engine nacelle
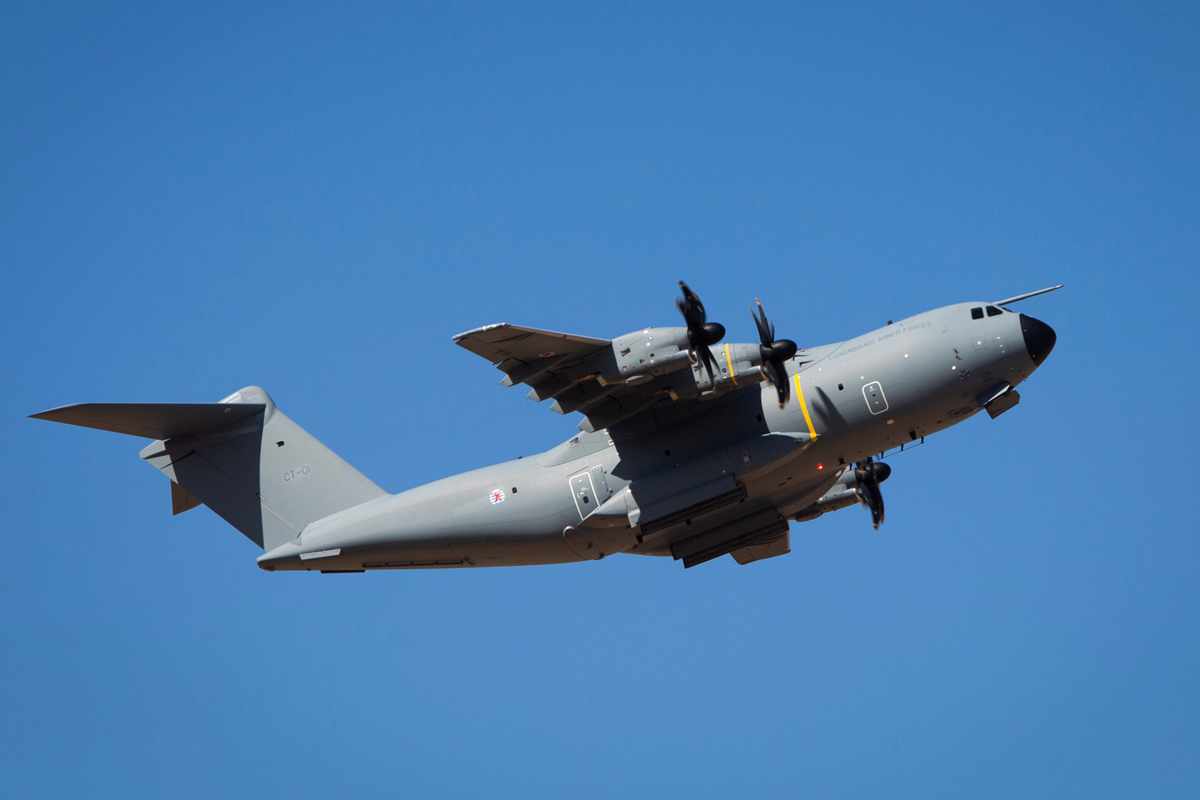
736	363
838	497
641	355
644	355
842	494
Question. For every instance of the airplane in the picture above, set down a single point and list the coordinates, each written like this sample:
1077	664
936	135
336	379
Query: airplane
683	450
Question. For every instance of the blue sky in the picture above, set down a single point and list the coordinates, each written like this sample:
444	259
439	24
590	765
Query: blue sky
316	198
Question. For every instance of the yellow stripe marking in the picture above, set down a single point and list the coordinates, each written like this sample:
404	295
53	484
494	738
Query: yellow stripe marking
729	365
804	407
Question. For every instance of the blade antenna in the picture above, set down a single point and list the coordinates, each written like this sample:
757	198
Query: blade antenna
1016	298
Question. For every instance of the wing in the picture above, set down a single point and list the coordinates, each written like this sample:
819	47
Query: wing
562	366
609	381
511	347
565	368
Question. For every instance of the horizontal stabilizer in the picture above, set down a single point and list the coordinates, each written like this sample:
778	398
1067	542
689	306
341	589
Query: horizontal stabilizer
154	420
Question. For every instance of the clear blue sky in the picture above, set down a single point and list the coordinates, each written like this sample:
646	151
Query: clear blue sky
315	199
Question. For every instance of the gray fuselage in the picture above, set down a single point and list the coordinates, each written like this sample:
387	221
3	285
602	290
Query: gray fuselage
849	400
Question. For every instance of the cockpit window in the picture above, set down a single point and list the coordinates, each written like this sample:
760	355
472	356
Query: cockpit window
993	311
977	313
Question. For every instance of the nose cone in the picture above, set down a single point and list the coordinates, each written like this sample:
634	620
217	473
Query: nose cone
1039	338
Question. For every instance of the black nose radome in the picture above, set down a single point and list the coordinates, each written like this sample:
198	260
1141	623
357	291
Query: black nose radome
1039	338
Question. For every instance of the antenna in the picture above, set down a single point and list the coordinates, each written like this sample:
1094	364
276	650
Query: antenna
1019	297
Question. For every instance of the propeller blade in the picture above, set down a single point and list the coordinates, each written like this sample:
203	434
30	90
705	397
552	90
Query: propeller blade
701	333
868	475
778	376
774	353
691	307
875	503
766	330
707	359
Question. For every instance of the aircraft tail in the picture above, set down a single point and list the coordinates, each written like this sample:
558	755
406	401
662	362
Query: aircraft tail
242	457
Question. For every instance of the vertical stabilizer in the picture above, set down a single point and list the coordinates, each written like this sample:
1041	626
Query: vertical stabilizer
243	458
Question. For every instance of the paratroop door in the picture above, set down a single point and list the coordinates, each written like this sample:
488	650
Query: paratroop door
584	493
876	400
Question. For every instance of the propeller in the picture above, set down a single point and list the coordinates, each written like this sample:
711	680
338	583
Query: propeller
774	352
867	477
701	333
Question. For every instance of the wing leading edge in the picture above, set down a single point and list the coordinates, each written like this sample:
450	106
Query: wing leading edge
504	341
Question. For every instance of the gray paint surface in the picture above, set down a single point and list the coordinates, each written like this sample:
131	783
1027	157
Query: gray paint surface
668	462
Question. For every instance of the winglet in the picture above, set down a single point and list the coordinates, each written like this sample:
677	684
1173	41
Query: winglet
1019	297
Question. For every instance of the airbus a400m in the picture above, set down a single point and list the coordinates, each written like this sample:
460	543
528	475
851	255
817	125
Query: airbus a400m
687	447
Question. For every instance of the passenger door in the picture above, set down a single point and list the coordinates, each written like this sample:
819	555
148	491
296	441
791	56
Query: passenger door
876	399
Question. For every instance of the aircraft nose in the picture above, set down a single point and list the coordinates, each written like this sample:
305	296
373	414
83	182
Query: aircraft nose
1039	338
